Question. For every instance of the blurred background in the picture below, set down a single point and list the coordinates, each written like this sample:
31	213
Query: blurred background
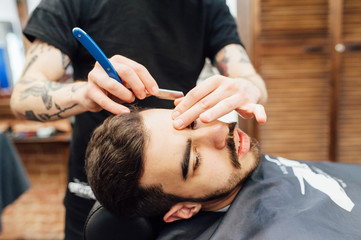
308	52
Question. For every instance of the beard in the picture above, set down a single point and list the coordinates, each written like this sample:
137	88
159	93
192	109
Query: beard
235	179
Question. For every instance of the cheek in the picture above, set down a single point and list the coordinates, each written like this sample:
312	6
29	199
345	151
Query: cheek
217	166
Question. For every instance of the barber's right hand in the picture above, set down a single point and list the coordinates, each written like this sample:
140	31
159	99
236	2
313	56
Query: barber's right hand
104	92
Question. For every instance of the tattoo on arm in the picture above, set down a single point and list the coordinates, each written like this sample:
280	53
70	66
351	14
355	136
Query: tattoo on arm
42	47
223	69
46	117
30	115
26	80
31	62
222	65
75	88
34	47
230	55
43	92
244	57
42	87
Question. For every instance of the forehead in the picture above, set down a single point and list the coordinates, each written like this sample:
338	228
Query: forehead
159	126
164	148
155	119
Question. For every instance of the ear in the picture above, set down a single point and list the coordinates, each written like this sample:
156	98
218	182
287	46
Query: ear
182	210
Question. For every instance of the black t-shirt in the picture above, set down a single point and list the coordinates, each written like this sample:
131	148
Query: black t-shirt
171	38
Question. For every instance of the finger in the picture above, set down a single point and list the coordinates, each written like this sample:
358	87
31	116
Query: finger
187	117
131	80
100	98
247	111
203	105
116	89
178	100
260	114
146	78
253	110
193	96
220	109
99	79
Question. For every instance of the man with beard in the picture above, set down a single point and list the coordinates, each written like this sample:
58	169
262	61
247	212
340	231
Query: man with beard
139	165
151	44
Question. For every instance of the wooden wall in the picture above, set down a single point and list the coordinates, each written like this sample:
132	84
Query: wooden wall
309	53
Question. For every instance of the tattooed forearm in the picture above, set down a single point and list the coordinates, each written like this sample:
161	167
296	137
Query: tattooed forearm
38	92
53	86
30	115
53	110
26	80
47	117
43	92
76	87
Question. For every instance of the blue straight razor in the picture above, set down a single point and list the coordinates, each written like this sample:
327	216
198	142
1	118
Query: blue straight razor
98	54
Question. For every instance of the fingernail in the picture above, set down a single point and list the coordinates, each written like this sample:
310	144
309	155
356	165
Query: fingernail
178	123
175	114
125	111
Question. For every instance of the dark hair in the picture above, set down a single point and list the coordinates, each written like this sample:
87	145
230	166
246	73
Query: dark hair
114	164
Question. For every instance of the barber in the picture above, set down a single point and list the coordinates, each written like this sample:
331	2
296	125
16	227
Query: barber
152	44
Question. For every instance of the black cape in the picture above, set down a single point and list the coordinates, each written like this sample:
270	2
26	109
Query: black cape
285	199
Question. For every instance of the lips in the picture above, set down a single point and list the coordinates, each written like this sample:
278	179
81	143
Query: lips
242	142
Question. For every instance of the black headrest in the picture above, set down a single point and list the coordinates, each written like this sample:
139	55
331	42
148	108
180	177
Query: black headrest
101	224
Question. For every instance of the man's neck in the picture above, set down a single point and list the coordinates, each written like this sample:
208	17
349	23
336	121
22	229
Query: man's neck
221	203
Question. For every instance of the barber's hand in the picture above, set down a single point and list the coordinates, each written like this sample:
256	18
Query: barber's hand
104	92
215	97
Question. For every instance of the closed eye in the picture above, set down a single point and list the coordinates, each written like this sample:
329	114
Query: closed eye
197	161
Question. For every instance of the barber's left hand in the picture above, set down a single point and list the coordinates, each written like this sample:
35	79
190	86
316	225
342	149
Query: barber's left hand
217	96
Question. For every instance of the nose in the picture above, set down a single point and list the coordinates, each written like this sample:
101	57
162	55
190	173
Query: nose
216	135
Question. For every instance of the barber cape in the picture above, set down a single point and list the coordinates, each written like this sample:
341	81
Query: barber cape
285	199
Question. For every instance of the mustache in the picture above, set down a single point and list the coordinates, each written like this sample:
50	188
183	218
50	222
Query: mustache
231	127
231	145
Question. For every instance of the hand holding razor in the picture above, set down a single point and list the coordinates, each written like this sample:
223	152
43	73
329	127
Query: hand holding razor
98	54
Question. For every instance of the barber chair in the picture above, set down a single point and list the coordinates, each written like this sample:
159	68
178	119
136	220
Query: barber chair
101	224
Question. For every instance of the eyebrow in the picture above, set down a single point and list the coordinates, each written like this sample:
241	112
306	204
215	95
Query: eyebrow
186	157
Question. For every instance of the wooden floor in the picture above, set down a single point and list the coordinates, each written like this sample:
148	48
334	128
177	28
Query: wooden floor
39	213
